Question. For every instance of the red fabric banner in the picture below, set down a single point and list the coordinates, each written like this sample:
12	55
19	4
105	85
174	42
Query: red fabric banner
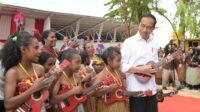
39	25
13	27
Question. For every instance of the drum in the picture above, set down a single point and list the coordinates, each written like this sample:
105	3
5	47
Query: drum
159	76
198	74
181	71
192	74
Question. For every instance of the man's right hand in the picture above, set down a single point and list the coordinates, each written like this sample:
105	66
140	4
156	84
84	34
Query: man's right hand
145	69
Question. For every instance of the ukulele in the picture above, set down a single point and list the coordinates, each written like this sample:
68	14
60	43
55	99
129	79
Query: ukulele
110	98
117	95
160	95
137	93
122	95
144	78
35	101
59	68
72	102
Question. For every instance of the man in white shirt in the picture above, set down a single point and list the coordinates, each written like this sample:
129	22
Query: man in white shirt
138	50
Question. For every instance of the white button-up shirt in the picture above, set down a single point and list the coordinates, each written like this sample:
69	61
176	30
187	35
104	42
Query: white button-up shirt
137	51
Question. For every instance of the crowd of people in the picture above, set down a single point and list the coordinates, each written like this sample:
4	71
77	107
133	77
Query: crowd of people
73	79
184	70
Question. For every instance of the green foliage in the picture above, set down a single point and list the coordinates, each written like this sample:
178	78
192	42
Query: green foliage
186	19
128	11
133	8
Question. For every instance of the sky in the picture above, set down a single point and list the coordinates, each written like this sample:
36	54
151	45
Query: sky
96	8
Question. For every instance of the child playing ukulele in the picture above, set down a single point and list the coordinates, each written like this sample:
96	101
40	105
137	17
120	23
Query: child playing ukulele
23	77
112	58
68	84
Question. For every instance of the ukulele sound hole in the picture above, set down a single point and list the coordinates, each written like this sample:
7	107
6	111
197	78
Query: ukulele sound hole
78	95
37	95
87	85
119	93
